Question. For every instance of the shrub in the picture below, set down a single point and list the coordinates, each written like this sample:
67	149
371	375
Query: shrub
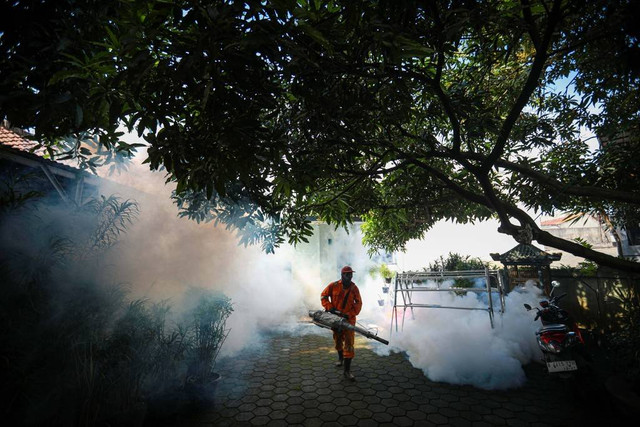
75	349
457	262
206	323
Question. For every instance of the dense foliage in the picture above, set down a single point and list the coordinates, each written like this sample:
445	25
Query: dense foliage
76	349
456	262
269	113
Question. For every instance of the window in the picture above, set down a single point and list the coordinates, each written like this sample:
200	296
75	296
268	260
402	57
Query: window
633	235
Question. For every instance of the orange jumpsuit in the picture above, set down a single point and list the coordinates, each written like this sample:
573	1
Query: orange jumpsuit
348	302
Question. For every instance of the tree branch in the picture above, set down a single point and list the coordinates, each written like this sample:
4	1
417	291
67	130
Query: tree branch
446	103
587	191
469	195
532	81
504	210
547	239
531	25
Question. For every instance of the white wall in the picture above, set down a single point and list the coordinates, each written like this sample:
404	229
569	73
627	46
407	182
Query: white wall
477	240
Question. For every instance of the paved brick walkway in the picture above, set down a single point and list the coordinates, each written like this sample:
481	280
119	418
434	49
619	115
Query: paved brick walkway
292	381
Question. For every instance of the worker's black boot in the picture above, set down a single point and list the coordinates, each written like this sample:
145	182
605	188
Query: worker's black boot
340	359
347	370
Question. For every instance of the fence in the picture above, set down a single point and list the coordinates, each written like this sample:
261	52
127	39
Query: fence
598	302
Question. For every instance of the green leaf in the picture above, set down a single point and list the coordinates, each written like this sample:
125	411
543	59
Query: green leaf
316	35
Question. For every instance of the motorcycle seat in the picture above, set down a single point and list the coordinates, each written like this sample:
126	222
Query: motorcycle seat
553	328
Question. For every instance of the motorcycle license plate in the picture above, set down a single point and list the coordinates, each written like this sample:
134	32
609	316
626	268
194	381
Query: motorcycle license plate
562	366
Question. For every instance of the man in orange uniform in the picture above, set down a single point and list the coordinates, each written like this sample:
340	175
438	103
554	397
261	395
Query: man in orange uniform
343	296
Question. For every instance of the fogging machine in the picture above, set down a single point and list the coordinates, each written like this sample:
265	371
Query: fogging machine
337	322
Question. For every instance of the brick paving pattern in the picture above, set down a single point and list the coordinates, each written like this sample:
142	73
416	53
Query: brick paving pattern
292	381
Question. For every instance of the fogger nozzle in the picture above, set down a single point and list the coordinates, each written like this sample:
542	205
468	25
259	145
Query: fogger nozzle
324	319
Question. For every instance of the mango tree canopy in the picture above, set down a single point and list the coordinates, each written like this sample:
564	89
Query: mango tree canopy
266	114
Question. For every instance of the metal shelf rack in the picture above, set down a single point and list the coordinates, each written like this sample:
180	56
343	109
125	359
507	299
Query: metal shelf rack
406	283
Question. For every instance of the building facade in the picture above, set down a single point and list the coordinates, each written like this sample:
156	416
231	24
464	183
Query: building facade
593	231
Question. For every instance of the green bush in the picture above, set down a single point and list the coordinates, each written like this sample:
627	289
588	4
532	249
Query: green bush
75	349
457	262
206	326
624	341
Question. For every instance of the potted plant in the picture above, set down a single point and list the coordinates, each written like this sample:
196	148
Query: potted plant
207	331
387	274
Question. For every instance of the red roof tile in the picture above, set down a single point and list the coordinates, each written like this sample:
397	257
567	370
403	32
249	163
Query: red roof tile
14	140
560	220
554	221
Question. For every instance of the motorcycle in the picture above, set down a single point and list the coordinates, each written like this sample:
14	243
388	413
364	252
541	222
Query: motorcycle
559	337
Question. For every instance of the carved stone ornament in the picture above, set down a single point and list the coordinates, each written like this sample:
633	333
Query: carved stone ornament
524	235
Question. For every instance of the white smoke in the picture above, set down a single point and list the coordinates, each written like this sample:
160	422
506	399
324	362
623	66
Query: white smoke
459	346
449	344
163	255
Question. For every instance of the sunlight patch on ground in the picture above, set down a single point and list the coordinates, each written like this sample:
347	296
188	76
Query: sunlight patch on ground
316	350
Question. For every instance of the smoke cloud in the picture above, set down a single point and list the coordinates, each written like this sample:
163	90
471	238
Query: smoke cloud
459	346
162	256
